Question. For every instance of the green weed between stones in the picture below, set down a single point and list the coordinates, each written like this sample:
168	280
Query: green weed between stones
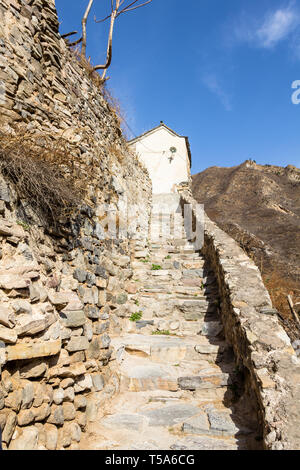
24	225
163	332
136	316
156	267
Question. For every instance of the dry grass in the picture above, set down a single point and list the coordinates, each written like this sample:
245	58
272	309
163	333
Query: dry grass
88	68
44	172
94	76
279	288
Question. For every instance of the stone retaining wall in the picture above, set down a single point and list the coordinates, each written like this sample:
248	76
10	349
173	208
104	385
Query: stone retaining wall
61	295
262	349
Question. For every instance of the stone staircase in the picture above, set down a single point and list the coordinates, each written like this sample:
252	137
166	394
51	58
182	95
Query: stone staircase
179	387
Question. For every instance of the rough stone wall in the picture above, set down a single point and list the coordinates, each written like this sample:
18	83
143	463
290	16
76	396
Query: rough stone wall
60	296
262	348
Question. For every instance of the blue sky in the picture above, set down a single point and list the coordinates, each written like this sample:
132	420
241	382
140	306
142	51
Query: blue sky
218	71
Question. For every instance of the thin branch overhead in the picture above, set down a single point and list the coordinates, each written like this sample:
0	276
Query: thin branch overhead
130	7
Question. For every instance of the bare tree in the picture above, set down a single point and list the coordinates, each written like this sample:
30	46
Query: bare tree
83	22
118	7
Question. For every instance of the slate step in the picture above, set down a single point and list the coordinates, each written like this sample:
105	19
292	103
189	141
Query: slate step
148	377
164	349
209	378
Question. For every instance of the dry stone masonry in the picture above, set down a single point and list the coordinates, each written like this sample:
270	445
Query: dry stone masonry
59	293
115	342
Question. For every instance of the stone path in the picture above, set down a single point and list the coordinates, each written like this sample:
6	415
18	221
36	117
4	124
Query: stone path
179	387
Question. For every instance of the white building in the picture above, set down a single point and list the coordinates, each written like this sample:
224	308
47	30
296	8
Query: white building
167	156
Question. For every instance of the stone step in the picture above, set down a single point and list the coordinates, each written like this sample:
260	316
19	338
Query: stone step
193	264
137	377
205	443
207	378
191	292
172	349
215	421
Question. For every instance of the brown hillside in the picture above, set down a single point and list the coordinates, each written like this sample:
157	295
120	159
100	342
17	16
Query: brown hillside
259	206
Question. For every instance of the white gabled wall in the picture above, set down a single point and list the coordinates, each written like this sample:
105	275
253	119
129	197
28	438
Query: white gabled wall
154	151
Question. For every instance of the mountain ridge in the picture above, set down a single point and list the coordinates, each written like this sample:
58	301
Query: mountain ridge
259	206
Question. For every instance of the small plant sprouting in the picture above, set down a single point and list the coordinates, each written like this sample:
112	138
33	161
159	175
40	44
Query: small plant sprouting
136	316
163	332
137	302
156	267
168	257
24	225
145	260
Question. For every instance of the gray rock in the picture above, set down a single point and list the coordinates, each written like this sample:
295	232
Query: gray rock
25	417
143	323
92	312
190	383
51	434
4	191
42	412
221	422
57	416
212	328
33	370
10	425
88	330
27	439
80	402
99	328
88	295
73	319
83	383
204	443
77	343
193	273
122	299
75	431
101	272
58	396
170	415
124	421
80	275
27	395
22	306
3	356
69	394
196	425
69	411
105	341
98	382
91	279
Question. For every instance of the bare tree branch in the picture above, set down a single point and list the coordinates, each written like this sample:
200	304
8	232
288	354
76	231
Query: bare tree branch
109	44
125	10
84	20
69	34
116	12
75	42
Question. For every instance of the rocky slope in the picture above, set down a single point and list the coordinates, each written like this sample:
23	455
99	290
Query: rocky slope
259	206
